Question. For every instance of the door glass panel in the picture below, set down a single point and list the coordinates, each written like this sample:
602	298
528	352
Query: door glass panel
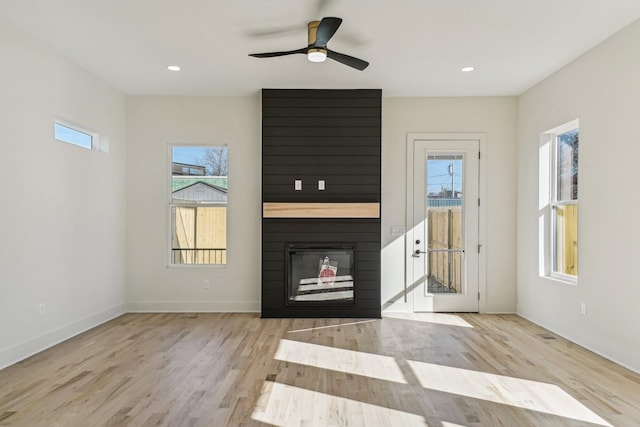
444	231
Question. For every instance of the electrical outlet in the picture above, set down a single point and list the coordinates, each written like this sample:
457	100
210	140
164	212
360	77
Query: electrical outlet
583	308
41	310
321	184
297	185
206	284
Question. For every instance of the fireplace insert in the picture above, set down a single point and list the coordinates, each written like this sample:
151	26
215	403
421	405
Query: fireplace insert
320	274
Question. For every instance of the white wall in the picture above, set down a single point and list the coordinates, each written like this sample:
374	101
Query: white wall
495	117
154	123
62	208
602	90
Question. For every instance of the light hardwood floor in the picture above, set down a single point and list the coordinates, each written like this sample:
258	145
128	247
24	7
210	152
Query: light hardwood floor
240	370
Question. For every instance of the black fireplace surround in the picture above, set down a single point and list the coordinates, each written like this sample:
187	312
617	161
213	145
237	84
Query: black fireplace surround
311	136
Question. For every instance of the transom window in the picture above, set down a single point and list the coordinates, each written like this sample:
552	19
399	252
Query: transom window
73	135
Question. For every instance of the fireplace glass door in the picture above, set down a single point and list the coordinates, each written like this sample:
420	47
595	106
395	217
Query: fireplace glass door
320	274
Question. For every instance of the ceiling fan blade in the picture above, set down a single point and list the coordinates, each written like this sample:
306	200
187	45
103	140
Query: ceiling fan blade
277	31
356	63
326	29
283	53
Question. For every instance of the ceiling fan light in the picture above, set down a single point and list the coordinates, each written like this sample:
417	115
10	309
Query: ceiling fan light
317	55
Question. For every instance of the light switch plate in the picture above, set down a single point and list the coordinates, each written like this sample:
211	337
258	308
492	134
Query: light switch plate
297	185
321	184
397	230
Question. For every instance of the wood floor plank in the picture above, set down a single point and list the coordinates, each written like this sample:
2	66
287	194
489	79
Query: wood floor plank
222	369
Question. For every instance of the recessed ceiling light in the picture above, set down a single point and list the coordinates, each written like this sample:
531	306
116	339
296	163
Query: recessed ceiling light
467	69
173	68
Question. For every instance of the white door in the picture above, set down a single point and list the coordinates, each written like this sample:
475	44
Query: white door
444	232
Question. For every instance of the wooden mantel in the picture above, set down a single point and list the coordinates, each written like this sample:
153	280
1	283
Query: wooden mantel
320	210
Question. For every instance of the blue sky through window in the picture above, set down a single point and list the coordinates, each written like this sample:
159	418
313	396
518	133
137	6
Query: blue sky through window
439	174
188	155
73	136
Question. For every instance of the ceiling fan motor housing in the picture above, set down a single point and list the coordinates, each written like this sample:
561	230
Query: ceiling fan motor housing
315	54
312	31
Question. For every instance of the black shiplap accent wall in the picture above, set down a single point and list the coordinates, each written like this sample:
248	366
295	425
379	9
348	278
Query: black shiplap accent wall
333	135
321	134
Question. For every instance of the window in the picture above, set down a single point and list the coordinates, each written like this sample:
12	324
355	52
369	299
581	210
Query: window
198	206
560	153
564	207
71	135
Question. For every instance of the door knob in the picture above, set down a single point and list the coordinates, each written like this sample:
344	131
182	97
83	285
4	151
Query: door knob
417	253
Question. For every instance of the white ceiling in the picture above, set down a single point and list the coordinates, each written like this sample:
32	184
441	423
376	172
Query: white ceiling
415	47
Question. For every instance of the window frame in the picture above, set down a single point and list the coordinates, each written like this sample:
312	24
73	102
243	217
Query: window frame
95	136
551	235
171	204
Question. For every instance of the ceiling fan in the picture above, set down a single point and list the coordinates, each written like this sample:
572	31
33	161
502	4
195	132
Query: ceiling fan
319	34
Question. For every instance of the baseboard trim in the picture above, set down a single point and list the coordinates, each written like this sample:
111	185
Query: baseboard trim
596	344
193	307
33	346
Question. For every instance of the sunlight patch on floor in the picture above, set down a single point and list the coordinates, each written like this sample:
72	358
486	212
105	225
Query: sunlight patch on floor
439	318
332	326
288	406
448	424
526	394
338	359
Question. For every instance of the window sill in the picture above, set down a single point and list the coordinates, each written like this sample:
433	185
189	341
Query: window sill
562	278
215	266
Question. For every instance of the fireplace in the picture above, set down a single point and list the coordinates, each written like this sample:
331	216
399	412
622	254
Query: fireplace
321	236
321	273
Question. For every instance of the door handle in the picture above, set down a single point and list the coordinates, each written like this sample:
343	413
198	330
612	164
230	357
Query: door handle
417	253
